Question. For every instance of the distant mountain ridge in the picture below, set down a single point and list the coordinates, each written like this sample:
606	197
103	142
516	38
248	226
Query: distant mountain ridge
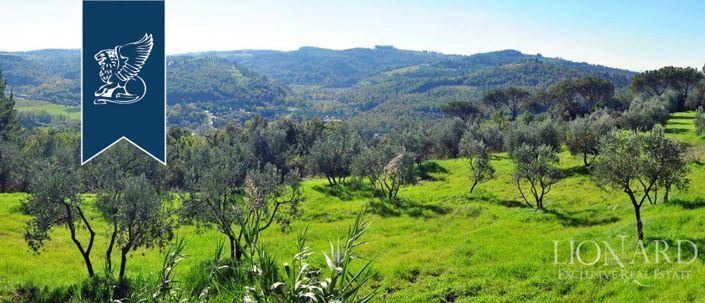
313	81
327	67
50	74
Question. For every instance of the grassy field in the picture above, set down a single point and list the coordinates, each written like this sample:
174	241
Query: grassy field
70	112
444	244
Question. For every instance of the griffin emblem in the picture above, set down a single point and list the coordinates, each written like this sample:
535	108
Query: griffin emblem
120	68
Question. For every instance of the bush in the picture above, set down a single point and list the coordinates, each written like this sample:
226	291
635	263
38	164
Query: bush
31	293
96	289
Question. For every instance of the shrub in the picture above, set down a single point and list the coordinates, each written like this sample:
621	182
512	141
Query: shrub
339	281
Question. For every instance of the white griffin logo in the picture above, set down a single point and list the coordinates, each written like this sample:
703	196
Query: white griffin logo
120	68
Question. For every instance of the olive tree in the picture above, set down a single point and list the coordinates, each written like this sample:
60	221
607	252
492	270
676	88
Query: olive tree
534	134
386	167
582	135
139	218
447	135
369	164
270	196
124	180
635	163
535	166
214	176
333	154
669	162
644	113
699	121
270	142
490	134
55	193
400	171
226	189
414	140
478	158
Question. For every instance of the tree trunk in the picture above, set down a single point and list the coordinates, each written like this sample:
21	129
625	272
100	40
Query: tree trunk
665	194
86	254
639	224
474	183
109	251
523	196
123	262
585	159
235	251
232	246
89	265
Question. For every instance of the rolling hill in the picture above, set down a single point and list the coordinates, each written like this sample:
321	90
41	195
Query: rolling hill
327	67
50	75
54	75
369	84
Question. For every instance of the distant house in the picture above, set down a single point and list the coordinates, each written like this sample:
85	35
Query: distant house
331	119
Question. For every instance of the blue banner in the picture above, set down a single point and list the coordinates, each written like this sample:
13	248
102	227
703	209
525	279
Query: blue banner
123	77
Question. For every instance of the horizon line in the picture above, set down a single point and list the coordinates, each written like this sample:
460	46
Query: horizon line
352	48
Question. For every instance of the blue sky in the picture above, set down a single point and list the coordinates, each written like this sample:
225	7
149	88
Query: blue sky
638	35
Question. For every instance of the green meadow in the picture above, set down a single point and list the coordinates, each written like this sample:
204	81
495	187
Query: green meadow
71	112
443	244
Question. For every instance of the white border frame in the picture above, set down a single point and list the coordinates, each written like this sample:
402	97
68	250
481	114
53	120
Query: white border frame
165	91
